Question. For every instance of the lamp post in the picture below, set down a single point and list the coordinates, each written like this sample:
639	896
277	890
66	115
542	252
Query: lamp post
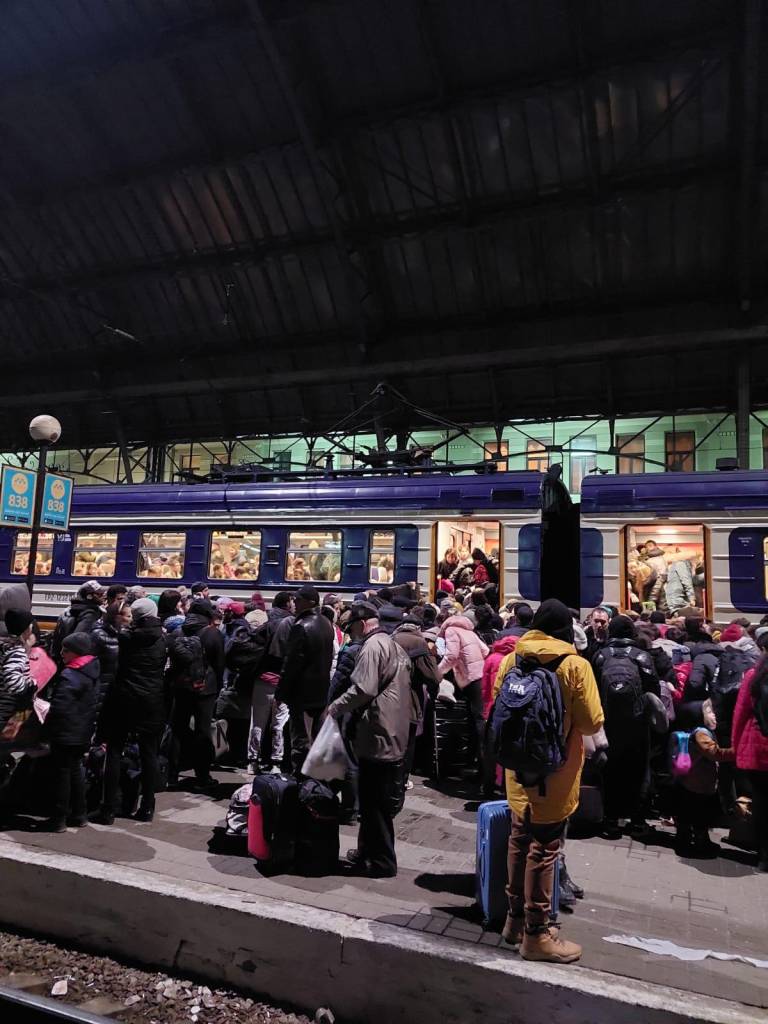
45	430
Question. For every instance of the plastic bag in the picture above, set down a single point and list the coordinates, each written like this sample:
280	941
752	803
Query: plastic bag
328	758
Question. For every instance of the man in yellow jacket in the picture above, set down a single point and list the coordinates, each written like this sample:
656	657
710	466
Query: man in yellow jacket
539	819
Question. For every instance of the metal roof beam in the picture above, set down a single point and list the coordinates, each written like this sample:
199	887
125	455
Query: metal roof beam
363	237
444	103
747	196
356	285
165	382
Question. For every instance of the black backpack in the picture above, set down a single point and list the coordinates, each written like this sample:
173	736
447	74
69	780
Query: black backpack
622	686
526	725
245	652
733	664
188	666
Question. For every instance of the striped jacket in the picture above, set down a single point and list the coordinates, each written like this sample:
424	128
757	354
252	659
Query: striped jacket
17	688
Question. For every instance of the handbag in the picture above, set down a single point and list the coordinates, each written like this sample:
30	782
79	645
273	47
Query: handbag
233	704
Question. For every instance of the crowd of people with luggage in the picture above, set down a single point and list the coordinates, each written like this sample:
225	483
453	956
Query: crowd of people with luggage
612	722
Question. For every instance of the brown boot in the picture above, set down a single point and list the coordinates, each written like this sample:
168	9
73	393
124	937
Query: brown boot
549	948
513	930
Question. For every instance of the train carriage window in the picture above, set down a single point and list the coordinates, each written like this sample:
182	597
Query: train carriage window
666	567
95	555
20	557
235	555
382	561
314	555
161	555
765	565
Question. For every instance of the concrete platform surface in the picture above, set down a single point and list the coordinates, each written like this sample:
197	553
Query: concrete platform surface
640	889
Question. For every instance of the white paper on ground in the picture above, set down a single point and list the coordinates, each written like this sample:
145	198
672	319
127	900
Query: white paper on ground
663	947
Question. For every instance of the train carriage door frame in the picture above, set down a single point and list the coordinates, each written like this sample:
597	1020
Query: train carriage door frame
656	531
464	531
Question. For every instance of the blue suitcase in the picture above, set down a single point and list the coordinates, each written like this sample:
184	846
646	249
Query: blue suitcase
493	824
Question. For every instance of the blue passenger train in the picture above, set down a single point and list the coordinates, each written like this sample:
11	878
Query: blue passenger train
344	535
350	534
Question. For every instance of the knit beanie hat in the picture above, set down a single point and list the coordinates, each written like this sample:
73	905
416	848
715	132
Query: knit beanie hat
554	619
16	621
78	643
144	608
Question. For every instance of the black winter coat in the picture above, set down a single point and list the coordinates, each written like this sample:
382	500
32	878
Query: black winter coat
663	664
105	639
80	617
706	662
72	717
345	666
137	696
307	667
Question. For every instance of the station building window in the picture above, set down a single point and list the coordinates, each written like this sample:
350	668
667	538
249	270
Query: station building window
631	453
583	460
382	560
492	449
537	456
235	555
161	555
680	451
20	557
314	555
95	555
666	567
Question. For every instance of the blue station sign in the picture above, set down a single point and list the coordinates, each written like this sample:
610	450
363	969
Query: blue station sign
57	502
17	496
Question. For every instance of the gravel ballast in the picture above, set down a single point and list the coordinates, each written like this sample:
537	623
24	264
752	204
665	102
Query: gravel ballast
128	994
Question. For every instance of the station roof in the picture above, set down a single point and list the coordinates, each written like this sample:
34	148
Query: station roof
226	217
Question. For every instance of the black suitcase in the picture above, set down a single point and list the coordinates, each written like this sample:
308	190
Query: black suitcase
317	830
452	740
275	800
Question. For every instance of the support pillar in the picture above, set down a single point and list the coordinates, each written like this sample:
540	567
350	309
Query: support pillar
743	394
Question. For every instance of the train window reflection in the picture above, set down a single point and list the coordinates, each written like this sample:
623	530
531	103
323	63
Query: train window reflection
161	555
314	555
20	557
235	555
666	568
95	555
382	561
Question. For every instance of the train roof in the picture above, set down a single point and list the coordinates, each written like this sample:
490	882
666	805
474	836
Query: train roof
492	491
676	492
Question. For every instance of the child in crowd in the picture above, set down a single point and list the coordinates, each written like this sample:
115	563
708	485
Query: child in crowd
696	802
69	727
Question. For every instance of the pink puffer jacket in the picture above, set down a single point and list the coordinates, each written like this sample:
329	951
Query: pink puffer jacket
465	652
746	739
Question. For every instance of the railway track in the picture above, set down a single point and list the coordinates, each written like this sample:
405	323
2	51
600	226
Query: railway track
20	1007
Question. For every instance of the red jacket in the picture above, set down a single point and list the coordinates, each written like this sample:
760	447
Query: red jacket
749	743
501	648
